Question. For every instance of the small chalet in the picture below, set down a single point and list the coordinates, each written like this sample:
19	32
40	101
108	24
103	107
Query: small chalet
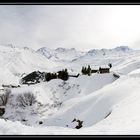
94	70
104	69
73	74
76	76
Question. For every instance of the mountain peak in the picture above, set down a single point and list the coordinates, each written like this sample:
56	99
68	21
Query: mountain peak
101	52
60	49
123	48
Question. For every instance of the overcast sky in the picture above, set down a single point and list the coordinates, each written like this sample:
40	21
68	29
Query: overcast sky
81	26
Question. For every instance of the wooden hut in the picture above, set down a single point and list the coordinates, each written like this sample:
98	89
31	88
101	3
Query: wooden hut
94	70
104	70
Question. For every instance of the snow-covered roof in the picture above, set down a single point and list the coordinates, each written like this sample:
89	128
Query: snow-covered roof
73	73
105	66
2	107
97	67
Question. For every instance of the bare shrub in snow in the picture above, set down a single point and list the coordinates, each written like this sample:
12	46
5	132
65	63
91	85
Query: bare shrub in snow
80	123
26	99
3	100
4	97
40	122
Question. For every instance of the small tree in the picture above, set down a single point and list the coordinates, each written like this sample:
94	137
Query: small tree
59	74
88	70
99	69
83	70
4	97
47	76
26	99
110	65
53	76
63	75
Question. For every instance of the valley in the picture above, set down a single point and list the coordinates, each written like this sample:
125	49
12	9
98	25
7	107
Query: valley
99	103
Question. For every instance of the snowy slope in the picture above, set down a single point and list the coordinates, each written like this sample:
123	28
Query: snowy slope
16	61
106	105
74	60
51	95
124	117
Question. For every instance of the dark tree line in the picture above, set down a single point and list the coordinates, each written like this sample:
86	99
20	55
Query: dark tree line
63	74
86	70
49	76
37	76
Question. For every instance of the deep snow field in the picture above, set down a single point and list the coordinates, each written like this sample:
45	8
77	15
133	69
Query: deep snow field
102	103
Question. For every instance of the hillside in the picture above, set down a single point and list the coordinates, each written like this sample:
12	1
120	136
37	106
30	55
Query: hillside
15	62
98	104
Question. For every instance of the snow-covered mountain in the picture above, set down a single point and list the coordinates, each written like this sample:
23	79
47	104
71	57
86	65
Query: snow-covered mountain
121	50
60	54
102	103
15	61
68	55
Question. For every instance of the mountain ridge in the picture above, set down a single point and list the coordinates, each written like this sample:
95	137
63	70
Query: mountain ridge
71	54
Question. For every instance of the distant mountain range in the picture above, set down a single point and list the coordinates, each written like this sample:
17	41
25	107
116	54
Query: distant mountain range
64	54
